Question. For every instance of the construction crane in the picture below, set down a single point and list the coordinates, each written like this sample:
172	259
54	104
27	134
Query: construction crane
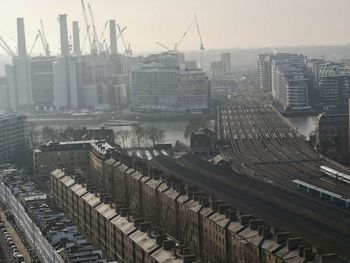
201	44
94	30
164	46
127	46
177	45
6	47
43	39
87	26
35	40
102	40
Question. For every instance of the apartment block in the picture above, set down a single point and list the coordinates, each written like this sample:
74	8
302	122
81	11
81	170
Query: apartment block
120	234
209	228
158	86
55	155
14	139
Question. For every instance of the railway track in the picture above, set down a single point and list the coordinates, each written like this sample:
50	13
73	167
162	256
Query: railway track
263	142
322	224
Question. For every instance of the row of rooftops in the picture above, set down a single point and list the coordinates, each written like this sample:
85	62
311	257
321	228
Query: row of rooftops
62	234
152	240
245	226
248	228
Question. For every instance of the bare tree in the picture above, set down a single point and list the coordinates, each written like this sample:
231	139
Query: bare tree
155	135
123	135
139	134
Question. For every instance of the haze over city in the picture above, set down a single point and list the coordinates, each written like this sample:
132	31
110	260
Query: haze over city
183	131
224	23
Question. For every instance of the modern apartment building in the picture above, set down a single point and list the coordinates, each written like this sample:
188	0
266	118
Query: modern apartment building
14	139
288	82
161	85
264	71
334	87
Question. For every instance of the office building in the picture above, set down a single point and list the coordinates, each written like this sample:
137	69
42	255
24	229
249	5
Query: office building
162	86
264	72
334	87
226	61
3	94
288	82
14	139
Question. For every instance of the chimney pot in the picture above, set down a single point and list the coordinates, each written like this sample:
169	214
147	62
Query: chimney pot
168	244
329	258
293	243
281	237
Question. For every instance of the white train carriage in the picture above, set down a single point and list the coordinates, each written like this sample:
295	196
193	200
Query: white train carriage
322	193
335	174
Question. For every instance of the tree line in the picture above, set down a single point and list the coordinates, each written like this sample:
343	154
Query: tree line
140	136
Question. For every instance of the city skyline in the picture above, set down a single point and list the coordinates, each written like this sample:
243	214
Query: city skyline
232	24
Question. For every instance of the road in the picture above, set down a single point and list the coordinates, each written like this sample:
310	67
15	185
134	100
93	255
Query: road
5	252
16	239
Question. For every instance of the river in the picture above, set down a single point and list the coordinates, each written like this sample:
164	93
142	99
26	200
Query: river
174	130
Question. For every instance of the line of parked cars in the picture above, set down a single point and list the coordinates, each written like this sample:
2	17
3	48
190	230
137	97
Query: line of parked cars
18	256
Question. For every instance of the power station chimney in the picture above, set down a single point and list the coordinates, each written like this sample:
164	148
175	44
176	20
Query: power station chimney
21	38
113	36
76	38
64	35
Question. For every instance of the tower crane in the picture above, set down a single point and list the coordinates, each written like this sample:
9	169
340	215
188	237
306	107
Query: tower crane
104	42
164	46
127	46
201	44
6	47
35	40
101	40
177	45
94	30
87	26
43	39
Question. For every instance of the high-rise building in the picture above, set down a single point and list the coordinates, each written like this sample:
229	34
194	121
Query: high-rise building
217	70
14	139
161	85
284	75
264	72
3	94
334	87
226	61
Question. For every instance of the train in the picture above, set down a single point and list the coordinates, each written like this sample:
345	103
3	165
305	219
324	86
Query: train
335	174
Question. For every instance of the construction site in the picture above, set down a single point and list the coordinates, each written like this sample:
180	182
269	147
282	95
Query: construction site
91	72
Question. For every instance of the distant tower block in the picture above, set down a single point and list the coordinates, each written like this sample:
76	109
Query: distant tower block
76	38
22	49
64	35
113	36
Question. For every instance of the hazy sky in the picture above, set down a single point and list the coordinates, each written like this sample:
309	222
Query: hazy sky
224	23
